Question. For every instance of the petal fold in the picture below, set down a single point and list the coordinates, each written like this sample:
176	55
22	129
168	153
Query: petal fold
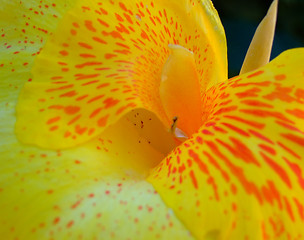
96	191
25	26
242	175
105	59
72	194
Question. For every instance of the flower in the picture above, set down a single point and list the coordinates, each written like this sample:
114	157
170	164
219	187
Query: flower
78	168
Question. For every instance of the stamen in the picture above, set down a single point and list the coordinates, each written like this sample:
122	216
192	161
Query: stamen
173	126
179	134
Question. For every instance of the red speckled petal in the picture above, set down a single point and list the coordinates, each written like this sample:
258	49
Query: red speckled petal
85	193
24	28
242	175
106	59
71	194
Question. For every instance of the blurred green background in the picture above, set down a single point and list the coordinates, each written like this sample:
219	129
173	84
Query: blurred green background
240	19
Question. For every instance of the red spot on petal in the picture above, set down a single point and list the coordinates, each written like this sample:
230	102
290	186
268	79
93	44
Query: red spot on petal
89	25
56	220
54	128
71	110
257	73
91	195
110	55
103	121
70	224
110	102
64	53
280	77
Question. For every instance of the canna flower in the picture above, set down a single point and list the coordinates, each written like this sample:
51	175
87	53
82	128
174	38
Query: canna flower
118	122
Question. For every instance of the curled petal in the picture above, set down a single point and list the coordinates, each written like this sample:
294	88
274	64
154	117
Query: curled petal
106	59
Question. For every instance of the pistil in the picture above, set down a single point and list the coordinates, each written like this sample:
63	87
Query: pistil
180	91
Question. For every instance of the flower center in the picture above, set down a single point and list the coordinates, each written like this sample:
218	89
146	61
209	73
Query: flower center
180	91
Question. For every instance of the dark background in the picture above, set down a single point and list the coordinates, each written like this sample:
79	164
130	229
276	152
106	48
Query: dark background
241	17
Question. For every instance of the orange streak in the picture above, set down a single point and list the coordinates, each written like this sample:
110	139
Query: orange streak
60	88
248	186
236	129
85	55
85	45
99	40
193	179
83	76
293	138
257	73
250	123
53	120
54	128
87	64
103	23
202	166
95	112
74	119
95	98
278	169
296	112
289	210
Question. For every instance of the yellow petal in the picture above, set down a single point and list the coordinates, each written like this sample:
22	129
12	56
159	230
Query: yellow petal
259	51
72	194
88	192
96	191
242	175
105	59
25	26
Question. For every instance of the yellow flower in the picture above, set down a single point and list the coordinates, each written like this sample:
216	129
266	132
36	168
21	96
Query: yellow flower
94	158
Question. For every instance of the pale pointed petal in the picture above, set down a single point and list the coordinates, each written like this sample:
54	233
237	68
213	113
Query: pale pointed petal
259	50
